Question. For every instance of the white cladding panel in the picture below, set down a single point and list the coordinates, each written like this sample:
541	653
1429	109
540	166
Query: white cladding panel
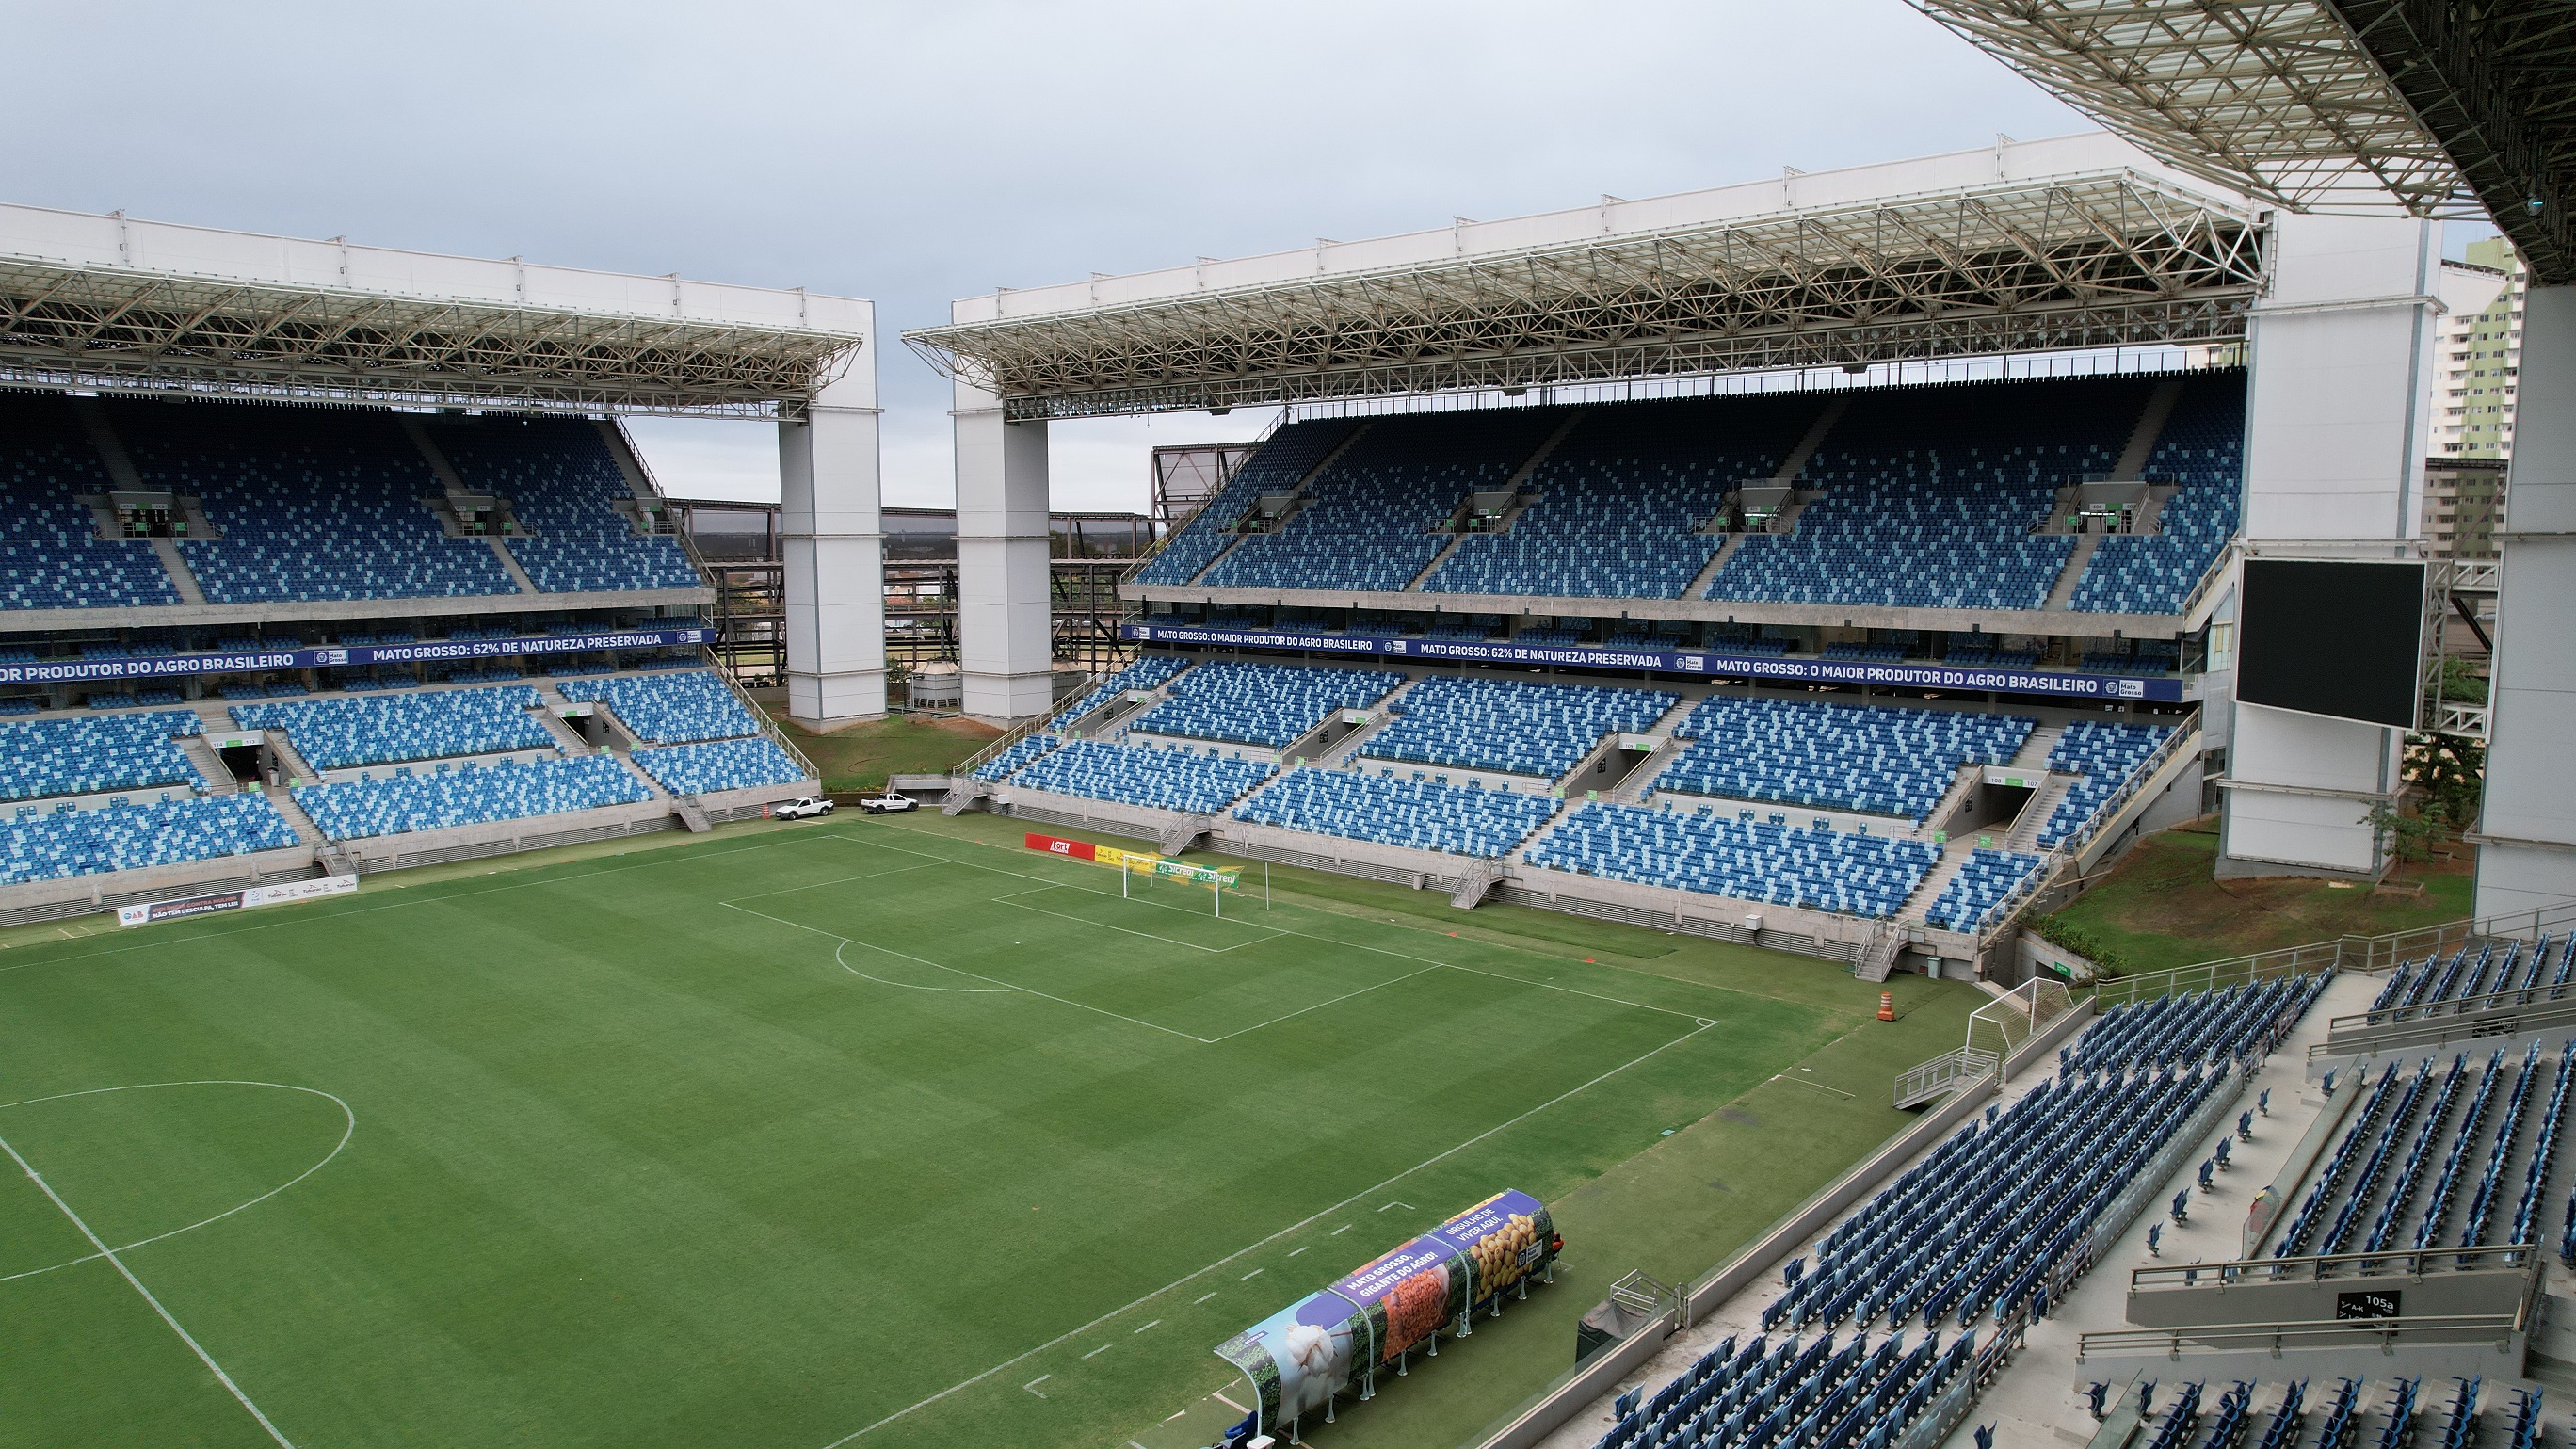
2299	830
2541	494
2283	747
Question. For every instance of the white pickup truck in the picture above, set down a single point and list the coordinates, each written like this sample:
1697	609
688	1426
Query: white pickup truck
889	803
804	808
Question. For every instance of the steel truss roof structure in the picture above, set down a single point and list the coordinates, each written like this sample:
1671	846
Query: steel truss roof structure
2436	108
104	302
2107	257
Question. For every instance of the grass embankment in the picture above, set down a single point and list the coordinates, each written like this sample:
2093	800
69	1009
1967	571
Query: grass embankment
2163	907
860	757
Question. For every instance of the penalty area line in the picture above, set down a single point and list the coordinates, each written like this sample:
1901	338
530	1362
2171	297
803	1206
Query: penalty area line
1370	1191
123	1271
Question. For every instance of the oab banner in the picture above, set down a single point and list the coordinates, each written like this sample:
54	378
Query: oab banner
1298	1358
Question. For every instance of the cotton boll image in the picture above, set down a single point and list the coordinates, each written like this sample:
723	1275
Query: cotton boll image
1318	1361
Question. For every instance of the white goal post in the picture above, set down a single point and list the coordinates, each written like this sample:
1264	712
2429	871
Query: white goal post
2003	1024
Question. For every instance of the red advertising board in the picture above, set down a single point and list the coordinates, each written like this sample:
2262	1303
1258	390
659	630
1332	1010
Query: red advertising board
1057	845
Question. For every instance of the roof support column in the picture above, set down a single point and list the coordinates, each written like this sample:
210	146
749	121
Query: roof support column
1002	585
833	545
2337	424
2527	857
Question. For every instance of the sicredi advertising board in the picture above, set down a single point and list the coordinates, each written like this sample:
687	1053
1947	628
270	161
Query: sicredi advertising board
2067	684
433	651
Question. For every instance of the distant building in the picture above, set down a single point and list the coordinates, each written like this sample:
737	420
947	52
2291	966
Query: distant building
2481	363
2463	506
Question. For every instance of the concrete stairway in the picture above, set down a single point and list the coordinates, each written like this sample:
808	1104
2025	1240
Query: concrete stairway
1632	787
296	820
1346	750
182	578
1513	485
1183	835
2026	826
691	816
209	764
562	730
1699	584
510	566
2033	754
1935	881
2151	423
2062	591
1796	462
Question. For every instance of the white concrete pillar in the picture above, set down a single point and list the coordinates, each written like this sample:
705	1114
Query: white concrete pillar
2527	846
2338	420
831	538
1003	610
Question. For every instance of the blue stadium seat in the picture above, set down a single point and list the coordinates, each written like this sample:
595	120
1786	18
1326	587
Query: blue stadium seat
670	709
337	733
1541	730
1288	455
2202	447
1145	673
1422	815
51	556
561	480
1261	704
1876	759
470	795
93	754
1175	779
56	844
1768	861
703	769
1990	881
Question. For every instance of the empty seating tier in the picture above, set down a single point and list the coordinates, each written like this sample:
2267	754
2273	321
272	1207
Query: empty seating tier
704	769
1849	873
95	754
1289	455
2108	758
1017	754
669	709
1623	497
469	795
1879	760
1374	518
312	503
1454	819
2443	1150
2494	973
1987	883
334	734
51	556
1540	730
1176	779
1145	673
1930	496
563	484
1261	704
54	845
2202	449
1761	1396
2196	1026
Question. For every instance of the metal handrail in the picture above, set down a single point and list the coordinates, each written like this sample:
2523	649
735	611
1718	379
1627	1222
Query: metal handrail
2304	1333
2336	1267
2344	953
768	726
2456	1006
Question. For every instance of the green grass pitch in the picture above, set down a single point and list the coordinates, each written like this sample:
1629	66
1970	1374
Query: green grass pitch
872	1133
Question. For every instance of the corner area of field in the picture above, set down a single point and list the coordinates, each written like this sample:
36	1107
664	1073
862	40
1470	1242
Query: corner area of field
2162	906
864	1132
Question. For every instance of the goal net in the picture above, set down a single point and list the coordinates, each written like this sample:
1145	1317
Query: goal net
2003	1024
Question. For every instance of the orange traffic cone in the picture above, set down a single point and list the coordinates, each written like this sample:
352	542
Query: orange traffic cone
1887	1006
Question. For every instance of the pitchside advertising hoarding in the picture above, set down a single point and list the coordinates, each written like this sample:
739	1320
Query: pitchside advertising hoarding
1298	1358
434	651
2062	683
182	907
1135	860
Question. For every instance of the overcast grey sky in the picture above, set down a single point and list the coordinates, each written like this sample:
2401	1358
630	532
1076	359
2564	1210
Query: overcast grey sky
916	153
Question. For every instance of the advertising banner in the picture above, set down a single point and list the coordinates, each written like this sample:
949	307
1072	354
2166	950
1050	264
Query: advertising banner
2053	682
1135	860
173	666
1298	1358
183	907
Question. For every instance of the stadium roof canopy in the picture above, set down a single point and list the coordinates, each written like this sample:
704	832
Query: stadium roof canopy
111	302
2449	108
2024	246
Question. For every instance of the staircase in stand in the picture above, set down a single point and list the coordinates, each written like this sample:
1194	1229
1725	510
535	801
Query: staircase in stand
2034	751
2024	835
1877	958
1936	880
209	764
692	815
302	824
2151	425
2063	591
1180	837
1512	485
962	795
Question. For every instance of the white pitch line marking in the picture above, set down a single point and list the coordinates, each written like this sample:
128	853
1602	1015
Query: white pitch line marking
1202	1298
346	1133
1031	1387
1408	1207
1149	1325
1175	1414
1294	1252
1344	1228
1097	1352
1255	1273
123	1271
1220	1397
1432	1161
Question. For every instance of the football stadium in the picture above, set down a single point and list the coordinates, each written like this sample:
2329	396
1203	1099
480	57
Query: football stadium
1585	912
